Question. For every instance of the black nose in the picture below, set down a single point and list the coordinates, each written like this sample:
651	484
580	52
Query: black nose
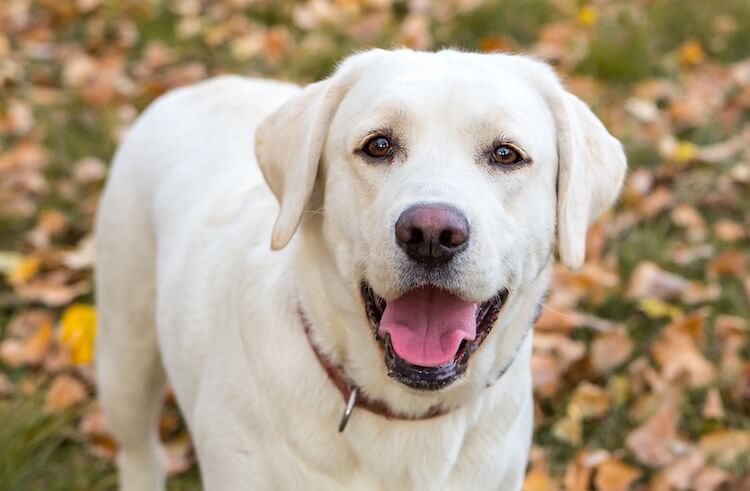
432	234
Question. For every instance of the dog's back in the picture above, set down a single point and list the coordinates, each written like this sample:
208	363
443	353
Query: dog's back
187	162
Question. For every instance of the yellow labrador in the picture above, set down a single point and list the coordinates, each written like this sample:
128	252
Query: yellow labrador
412	203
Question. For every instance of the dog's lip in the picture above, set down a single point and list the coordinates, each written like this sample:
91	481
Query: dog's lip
431	378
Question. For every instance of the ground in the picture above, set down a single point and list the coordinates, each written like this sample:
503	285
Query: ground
641	364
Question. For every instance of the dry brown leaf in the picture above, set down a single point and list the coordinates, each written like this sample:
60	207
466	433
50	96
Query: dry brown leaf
553	319
179	453
653	442
687	217
578	472
659	200
589	401
728	263
725	447
568	429
53	289
66	391
29	351
650	280
680	474
610	349
613	475
678	353
539	479
696	292
713	407
710	478
729	231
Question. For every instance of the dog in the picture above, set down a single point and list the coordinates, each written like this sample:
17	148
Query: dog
339	281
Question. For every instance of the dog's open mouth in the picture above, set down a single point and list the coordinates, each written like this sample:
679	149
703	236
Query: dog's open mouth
429	334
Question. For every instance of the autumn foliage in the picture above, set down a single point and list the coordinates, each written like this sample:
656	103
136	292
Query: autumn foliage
642	361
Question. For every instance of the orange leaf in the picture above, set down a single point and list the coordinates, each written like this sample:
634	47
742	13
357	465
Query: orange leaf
66	391
613	475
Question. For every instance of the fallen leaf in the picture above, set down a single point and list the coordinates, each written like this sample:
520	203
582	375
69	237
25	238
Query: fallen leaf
539	479
687	217
589	401
652	443
66	391
691	53
681	473
657	309
713	407
16	352
613	475
78	332
710	478
568	429
725	447
179	453
650	280
554	319
728	263
729	231
678	353
25	269
588	15
610	349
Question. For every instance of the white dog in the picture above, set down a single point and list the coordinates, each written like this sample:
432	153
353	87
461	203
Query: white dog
417	200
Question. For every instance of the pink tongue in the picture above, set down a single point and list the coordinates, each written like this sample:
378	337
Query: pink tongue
427	325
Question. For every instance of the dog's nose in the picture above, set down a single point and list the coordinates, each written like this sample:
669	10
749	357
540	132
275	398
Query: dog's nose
432	234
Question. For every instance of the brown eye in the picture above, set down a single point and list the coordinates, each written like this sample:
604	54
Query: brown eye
506	155
378	147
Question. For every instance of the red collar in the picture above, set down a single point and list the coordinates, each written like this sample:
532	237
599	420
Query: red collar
345	387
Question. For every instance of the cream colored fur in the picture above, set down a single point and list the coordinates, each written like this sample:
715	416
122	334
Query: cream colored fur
189	287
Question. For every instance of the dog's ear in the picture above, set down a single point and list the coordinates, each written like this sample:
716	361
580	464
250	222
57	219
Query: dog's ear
591	170
289	145
591	164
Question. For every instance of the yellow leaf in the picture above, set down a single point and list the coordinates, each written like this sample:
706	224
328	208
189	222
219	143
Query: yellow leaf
685	151
691	53
78	332
613	475
656	309
538	479
568	429
588	15
589	401
24	270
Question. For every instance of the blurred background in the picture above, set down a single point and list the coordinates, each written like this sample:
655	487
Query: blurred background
642	360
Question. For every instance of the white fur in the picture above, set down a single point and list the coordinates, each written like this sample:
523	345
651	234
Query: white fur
188	285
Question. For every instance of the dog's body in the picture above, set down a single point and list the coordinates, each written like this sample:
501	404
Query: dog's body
187	282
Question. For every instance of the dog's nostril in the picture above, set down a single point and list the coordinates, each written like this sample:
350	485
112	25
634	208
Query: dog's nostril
432	233
446	238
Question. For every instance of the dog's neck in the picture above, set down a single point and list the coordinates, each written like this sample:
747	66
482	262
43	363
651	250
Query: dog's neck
350	392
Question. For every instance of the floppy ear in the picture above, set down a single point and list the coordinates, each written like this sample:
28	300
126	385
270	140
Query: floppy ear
591	170
289	144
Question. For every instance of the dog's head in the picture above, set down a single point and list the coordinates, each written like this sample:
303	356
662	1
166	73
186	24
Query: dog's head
439	184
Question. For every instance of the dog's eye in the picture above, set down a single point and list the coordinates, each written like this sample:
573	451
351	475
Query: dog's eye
507	154
378	147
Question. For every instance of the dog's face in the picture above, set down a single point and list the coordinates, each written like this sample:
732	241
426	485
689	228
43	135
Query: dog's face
445	181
